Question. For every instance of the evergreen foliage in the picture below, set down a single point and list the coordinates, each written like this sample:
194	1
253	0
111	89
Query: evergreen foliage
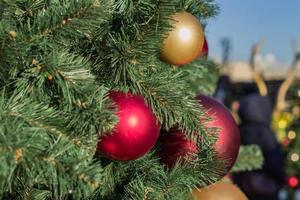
58	60
250	158
293	165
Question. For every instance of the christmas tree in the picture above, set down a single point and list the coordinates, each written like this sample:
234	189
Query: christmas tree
292	141
286	123
91	93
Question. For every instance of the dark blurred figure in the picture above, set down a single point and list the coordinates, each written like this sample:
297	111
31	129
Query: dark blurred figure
255	113
223	89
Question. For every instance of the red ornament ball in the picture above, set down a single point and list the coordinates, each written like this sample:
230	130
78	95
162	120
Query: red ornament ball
204	50
228	143
176	146
136	132
292	181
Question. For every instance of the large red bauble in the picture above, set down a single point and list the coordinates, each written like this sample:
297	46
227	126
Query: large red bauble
228	143
204	50
136	132
174	146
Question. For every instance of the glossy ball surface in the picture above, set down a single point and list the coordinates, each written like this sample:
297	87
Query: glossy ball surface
184	42
204	51
136	132
174	146
228	143
219	191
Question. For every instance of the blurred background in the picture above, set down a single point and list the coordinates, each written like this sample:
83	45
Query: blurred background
247	21
256	44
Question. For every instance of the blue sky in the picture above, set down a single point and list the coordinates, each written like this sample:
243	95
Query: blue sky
246	21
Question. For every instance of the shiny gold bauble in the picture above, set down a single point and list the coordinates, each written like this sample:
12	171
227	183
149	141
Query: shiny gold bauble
219	191
184	43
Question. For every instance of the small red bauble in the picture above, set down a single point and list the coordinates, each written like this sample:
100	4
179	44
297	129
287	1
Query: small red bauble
204	50
228	143
292	181
136	132
174	146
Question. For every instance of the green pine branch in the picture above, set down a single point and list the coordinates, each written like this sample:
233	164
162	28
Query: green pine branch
35	153
250	158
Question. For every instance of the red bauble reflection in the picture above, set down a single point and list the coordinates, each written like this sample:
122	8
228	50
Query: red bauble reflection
292	181
228	143
136	132
204	50
175	146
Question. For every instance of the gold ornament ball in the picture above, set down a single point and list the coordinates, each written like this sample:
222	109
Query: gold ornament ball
219	191
184	43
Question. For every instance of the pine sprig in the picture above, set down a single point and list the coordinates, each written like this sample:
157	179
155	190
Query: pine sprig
39	153
250	158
